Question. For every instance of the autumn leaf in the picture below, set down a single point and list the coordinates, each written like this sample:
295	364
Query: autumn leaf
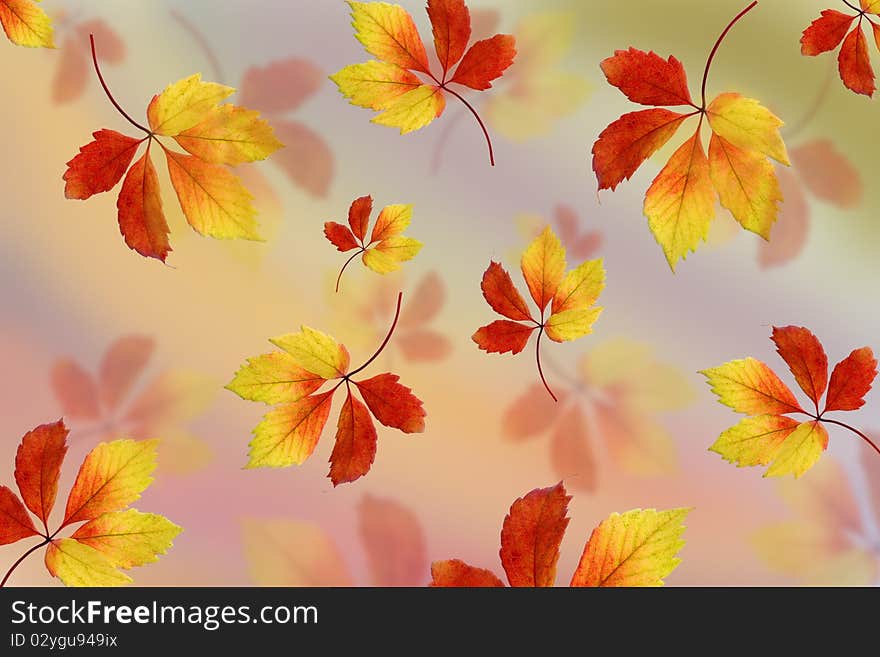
680	203
768	436
289	433
386	247
26	24
832	29
110	536
162	406
613	400
637	548
72	73
571	297
390	84
214	201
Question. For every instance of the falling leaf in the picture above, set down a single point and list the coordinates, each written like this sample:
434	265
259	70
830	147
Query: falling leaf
386	247
289	433
637	548
680	203
391	84
26	24
768	436
571	298
110	535
213	200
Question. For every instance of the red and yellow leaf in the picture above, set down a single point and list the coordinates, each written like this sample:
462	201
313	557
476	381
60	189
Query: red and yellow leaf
128	538
543	266
288	434
26	24
456	573
388	32
755	440
274	378
184	104
750	386
77	564
141	219
851	380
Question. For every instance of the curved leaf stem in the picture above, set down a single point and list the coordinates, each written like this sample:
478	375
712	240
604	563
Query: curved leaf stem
819	101
538	359
479	120
855	431
384	342
202	43
107	90
347	262
9	572
858	9
718	45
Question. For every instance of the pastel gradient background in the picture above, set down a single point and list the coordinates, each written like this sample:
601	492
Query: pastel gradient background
70	286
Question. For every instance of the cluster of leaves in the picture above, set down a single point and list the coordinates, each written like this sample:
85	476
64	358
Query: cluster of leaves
390	83
103	403
291	378
831	29
570	296
387	247
112	476
680	204
768	436
613	400
213	199
637	548
26	24
284	552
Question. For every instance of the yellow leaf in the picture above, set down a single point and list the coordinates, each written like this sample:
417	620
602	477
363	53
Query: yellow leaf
214	201
77	564
680	204
750	386
128	538
112	476
230	135
800	451
374	85
755	440
571	324
413	110
315	352
747	124
543	266
26	24
387	255
580	288
392	221
274	379
288	434
184	104
637	548
388	32
746	184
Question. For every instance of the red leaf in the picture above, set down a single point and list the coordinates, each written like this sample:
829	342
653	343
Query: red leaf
38	466
855	64
456	573
355	446
340	236
280	86
359	216
393	404
100	164
805	357
141	219
531	535
825	33
647	78
121	366
485	61
451	24
15	523
502	336
394	542
851	380
75	389
500	292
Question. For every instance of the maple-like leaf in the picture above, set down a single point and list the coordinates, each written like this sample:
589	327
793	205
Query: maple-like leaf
26	24
571	297
386	247
214	201
614	399
110	536
72	73
832	29
768	436
637	548
390	84
291	378
680	203
103	403
291	553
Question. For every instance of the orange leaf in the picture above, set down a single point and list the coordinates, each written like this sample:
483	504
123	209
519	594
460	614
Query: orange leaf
359	216
38	466
100	164
805	357
825	33
855	64
485	61
393	404
451	26
288	434
340	236
500	293
851	380
457	573
647	78
750	386
15	523
355	446
503	336
394	542
141	219
75	389
531	535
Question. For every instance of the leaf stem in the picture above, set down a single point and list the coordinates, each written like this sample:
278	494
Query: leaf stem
718	45
107	90
538	359
819	101
479	120
202	43
347	262
858	9
855	431
384	342
9	572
